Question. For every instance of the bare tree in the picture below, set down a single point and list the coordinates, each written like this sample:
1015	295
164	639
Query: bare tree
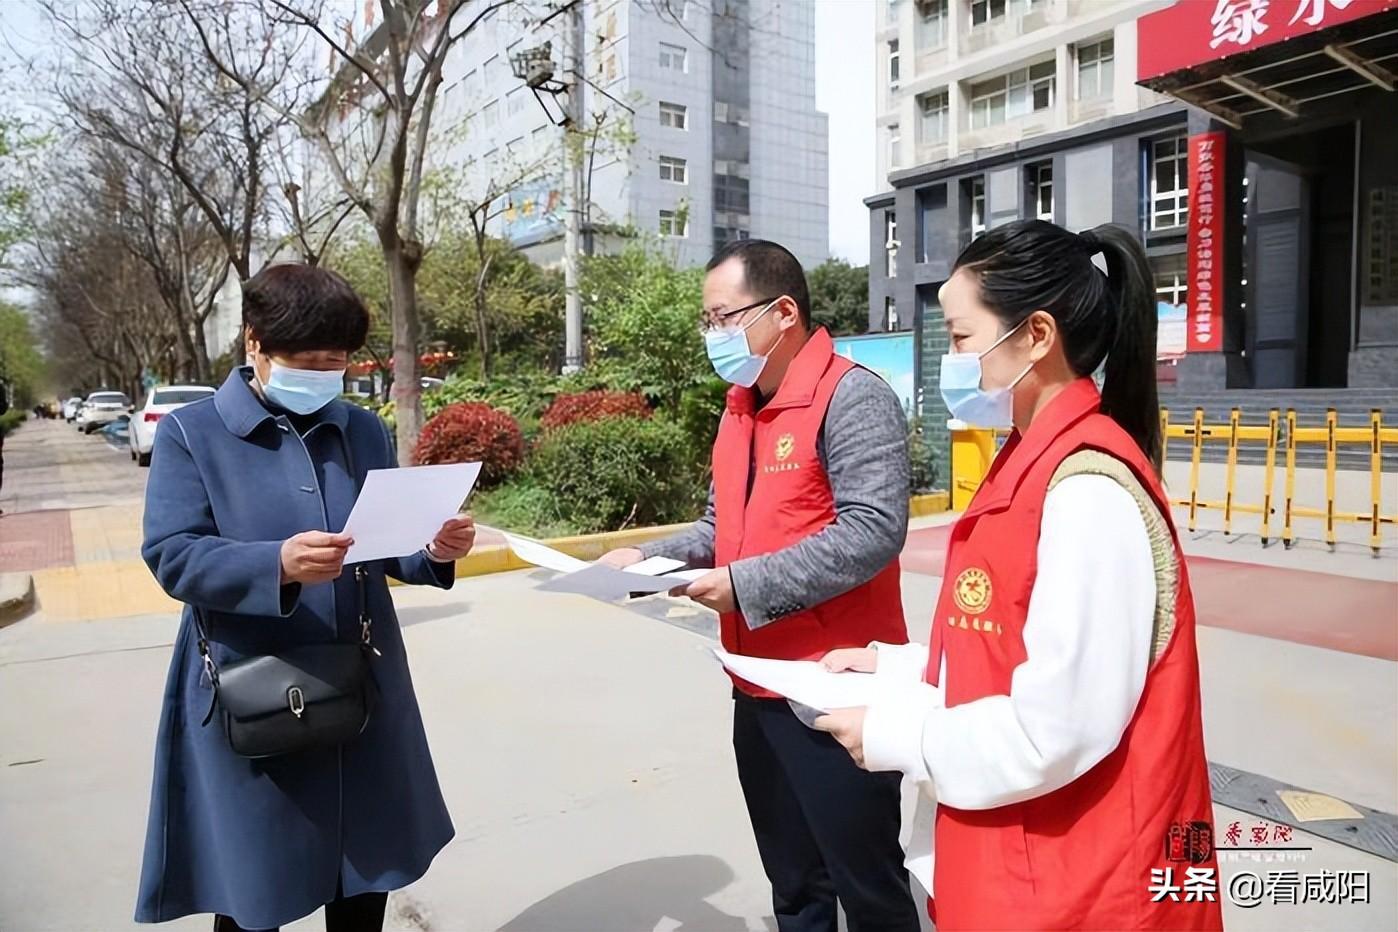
371	127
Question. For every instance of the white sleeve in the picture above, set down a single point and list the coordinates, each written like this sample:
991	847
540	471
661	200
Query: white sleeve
1087	641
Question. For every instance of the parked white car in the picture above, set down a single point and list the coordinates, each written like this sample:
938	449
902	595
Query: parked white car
160	401
70	409
100	409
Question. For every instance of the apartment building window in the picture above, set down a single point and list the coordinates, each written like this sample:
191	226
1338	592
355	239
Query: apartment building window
725	235
983	11
1013	95
674	57
731	193
490	114
932	118
515	101
674	223
540	138
1168	162
930	202
975	200
890	313
672	169
895	146
890	244
931	24
893	65
1040	181
1171	280
675	116
1096	69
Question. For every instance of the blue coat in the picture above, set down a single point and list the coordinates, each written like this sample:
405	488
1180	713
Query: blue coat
267	842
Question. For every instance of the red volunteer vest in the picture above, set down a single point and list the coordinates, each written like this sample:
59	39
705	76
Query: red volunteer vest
790	500
1080	857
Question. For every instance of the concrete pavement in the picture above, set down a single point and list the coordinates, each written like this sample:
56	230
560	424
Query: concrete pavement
584	750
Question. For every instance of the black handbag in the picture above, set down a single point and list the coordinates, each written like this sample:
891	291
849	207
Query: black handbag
310	696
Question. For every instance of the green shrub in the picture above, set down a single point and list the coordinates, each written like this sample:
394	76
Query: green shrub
10	420
700	410
523	507
921	458
617	473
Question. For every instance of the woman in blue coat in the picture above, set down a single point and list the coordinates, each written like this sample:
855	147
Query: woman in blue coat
245	491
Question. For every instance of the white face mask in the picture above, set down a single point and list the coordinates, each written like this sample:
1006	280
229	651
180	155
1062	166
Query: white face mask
960	383
302	391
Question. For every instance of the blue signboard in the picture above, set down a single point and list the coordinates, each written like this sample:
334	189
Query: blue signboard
533	211
890	356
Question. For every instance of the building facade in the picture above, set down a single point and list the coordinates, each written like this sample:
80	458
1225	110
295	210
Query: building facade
996	110
684	78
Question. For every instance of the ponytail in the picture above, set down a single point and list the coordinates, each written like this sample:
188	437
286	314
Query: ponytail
1032	265
1129	393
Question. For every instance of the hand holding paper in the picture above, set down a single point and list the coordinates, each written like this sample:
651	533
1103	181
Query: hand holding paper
399	511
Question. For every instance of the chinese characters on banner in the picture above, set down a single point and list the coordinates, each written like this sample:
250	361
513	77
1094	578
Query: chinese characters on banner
1205	245
1192	32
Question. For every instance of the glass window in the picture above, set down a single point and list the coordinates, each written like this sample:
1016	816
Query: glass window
674	57
1169	182
890	314
490	114
1095	69
893	65
890	244
895	146
672	169
932	120
983	11
1012	95
673	223
931	24
674	115
515	101
180	396
975	196
1040	178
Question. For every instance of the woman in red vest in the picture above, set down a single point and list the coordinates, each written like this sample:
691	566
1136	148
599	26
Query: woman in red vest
1055	714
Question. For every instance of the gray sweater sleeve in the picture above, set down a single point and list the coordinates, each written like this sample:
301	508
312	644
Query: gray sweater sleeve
694	545
865	452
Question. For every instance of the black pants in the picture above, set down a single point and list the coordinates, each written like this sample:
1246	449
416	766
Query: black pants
825	829
362	913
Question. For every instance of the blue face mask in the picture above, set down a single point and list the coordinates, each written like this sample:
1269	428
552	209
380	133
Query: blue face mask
732	357
963	395
302	391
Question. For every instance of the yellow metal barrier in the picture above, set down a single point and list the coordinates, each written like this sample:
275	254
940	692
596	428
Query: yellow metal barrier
973	449
1332	435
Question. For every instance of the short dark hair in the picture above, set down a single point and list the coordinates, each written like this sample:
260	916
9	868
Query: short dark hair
291	308
770	271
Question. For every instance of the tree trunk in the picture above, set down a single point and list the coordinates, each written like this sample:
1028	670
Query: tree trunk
482	323
203	373
407	390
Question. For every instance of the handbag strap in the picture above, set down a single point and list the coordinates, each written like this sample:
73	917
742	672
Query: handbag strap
366	625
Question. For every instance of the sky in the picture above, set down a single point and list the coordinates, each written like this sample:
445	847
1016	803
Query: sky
844	54
844	47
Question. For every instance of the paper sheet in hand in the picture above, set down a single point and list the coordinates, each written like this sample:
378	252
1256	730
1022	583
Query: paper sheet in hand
531	551
610	584
399	511
806	681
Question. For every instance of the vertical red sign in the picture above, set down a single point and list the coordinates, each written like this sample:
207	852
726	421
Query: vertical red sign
1207	200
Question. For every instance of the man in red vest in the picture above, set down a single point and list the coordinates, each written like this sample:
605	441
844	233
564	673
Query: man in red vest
806	517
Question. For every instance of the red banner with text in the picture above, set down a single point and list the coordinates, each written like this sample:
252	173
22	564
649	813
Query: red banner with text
1207	199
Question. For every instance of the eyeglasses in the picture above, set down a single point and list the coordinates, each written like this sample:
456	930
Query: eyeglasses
717	321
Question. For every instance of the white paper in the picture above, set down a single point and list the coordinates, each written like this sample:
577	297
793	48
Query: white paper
807	682
399	511
531	551
655	566
610	584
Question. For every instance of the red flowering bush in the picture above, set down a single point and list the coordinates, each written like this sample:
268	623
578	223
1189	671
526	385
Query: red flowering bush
471	432
599	405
